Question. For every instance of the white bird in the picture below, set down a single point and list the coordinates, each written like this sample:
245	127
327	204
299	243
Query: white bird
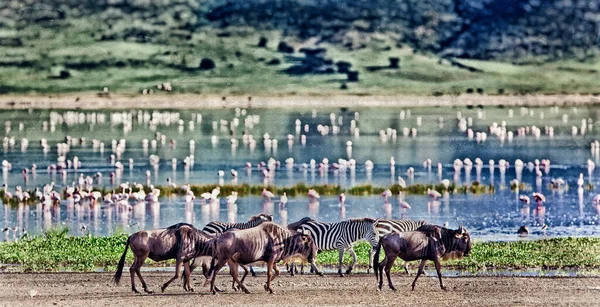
313	194
284	199
525	199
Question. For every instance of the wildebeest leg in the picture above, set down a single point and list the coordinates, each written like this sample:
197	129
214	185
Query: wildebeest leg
421	266
252	271
234	271
379	274
178	264
313	268
132	272
353	254
270	263
186	274
135	267
245	273
438	268
340	260
216	270
388	268
276	269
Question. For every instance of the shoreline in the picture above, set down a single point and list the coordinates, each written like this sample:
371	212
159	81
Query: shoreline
91	101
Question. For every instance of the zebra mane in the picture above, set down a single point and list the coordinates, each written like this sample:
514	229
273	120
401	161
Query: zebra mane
364	219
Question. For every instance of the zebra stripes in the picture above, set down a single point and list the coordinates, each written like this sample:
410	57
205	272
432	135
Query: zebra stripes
341	236
215	228
386	226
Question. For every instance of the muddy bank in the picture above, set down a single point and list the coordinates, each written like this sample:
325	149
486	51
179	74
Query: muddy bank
187	101
86	289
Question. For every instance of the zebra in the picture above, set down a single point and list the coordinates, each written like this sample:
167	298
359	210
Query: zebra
217	228
385	226
340	236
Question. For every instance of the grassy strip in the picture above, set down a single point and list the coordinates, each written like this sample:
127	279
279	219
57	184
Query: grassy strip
302	189
58	251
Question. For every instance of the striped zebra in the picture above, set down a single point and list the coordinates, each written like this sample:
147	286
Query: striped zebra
385	226
340	236
216	228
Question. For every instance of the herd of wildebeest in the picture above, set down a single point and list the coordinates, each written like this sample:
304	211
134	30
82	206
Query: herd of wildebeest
261	240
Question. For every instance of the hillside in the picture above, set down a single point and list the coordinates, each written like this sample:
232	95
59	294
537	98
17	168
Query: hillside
300	46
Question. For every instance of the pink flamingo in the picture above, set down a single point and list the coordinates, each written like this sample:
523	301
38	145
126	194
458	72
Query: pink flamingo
387	193
433	193
267	194
342	199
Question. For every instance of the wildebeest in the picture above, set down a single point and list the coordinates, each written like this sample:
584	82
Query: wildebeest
181	241
216	228
428	242
267	242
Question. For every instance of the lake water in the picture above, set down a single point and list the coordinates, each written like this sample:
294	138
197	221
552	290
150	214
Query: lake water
227	139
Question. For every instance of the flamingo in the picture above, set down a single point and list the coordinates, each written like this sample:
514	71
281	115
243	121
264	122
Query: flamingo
342	199
206	196
401	182
283	200
525	199
596	199
313	194
267	194
445	183
433	194
539	198
580	181
387	193
231	199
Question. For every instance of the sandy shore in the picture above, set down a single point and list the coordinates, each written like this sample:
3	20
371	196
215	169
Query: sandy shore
96	289
188	101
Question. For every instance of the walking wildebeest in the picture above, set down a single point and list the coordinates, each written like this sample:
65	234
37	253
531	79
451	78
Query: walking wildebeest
268	242
216	228
181	241
428	242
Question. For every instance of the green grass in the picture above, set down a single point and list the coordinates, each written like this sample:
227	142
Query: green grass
58	251
300	189
128	67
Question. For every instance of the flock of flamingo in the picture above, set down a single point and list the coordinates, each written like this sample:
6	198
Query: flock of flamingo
86	189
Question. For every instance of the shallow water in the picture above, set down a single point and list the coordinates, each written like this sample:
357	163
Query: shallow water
568	212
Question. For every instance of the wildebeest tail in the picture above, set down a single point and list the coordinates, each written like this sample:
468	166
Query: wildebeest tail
213	261
376	258
121	264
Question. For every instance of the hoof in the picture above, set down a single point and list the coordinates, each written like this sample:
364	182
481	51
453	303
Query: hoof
162	289
191	289
348	271
321	274
135	291
444	288
148	291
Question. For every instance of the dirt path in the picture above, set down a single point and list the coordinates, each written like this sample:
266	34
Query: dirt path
86	289
91	101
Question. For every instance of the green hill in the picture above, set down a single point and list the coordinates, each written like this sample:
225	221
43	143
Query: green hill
300	47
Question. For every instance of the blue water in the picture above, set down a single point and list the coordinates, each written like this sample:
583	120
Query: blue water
568	211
